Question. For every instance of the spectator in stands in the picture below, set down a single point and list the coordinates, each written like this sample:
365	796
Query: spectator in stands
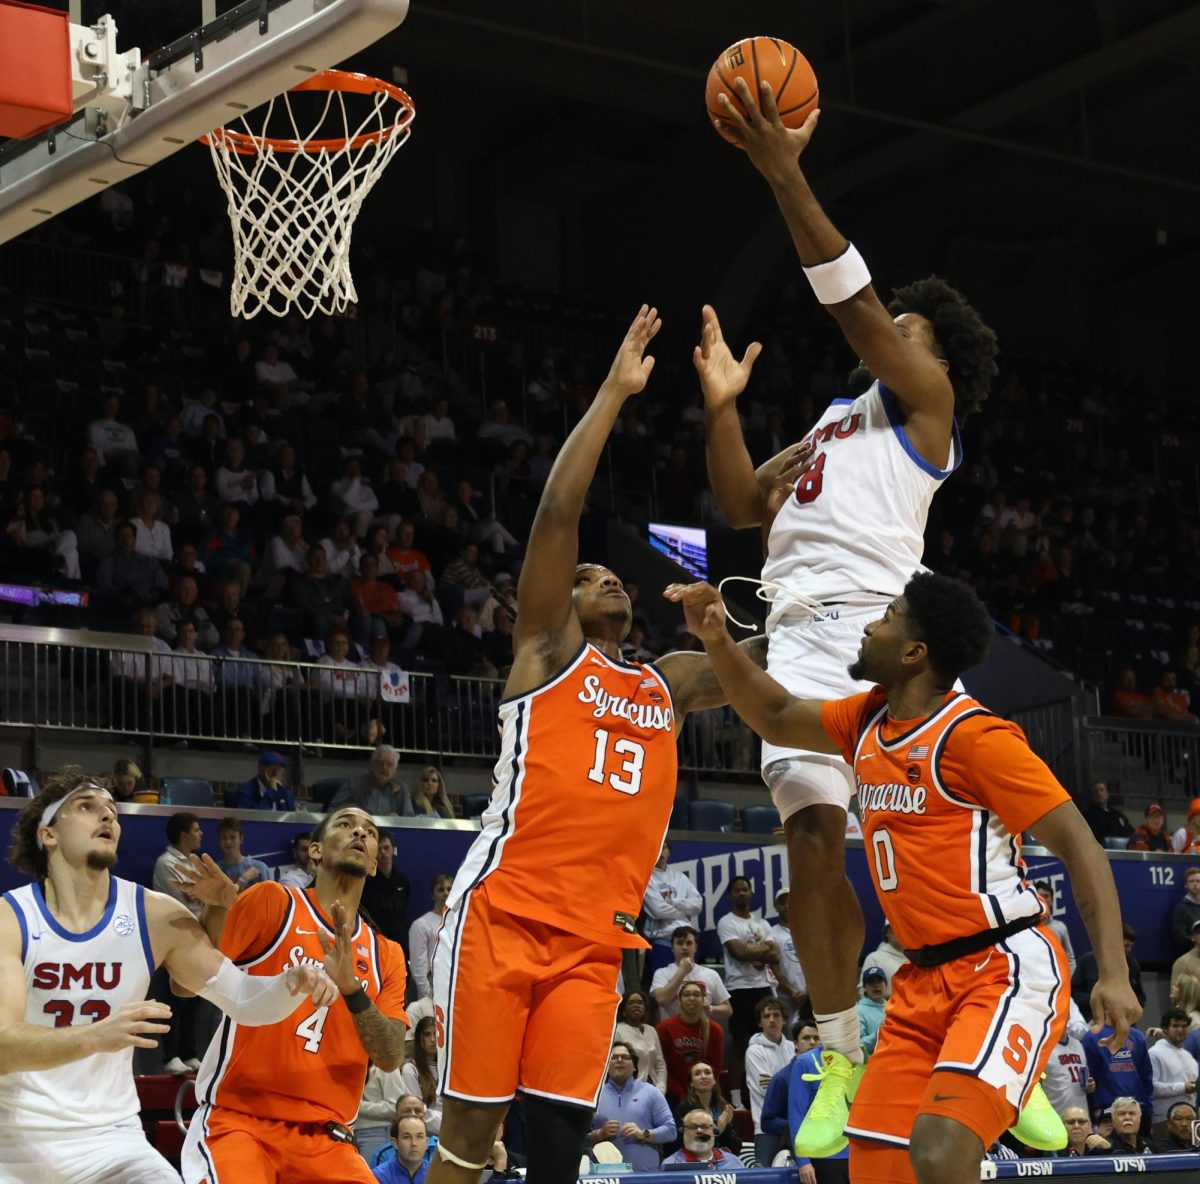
1126	1137
631	1114
635	1030
115	442
1128	701
1171	702
398	498
188	700
410	1137
241	681
667	980
284	484
344	690
125	778
418	1075
463	572
231	606
243	870
429	796
787	973
127	576
153	534
378	1110
1079	1131
377	791
83	489
889	955
196	509
405	556
386	893
670	900
276	376
1186	840
379	600
286	556
182	606
499	426
354	498
1045	890
749	955
1066	1080
265	790
1106	821
1127	1072
1177	1135
464	650
871	1007
1152	835
197	413
138	679
1186	913
688	1037
1188	962
33	526
301	873
438	423
1087	975
766	1054
700	1146
427	631
1184	993
229	552
178	1046
96	531
423	935
498	641
1175	1069
327	601
704	1093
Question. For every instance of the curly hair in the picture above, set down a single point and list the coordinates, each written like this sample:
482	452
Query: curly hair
951	620
962	338
24	853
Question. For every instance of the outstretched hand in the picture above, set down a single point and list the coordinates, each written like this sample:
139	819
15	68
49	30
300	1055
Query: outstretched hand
772	146
703	609
722	376
632	366
201	879
339	951
777	477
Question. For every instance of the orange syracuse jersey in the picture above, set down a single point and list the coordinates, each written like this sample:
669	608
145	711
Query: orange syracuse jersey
585	782
310	1067
943	802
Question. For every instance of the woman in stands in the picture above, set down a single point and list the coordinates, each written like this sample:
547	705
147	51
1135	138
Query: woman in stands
1185	994
32	526
635	1028
419	1075
704	1093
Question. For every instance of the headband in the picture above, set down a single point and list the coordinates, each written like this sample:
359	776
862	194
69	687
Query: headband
51	810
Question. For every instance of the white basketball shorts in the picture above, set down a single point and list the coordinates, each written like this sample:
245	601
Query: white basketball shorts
110	1155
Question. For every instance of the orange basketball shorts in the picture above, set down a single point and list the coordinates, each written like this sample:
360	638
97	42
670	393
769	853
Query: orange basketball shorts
985	1024
235	1148
520	1005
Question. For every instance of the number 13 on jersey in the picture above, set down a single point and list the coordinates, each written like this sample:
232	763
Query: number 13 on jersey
630	756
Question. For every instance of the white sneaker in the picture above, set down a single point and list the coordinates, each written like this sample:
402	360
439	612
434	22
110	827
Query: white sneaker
193	1064
176	1068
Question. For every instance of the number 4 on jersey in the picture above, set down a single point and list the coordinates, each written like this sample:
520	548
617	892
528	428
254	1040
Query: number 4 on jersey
312	1029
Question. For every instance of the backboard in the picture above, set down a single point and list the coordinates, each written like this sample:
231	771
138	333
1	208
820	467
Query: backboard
250	53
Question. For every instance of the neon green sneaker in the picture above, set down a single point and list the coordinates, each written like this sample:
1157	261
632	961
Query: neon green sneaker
823	1131
1038	1125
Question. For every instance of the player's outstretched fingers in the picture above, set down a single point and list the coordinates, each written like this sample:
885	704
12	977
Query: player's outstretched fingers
749	100
767	104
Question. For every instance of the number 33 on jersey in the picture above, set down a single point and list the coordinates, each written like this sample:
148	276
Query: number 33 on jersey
590	753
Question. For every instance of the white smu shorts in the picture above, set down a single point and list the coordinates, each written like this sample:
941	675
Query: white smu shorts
809	658
111	1155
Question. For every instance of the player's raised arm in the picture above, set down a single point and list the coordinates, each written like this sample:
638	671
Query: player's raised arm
1064	832
840	278
775	715
544	591
26	1047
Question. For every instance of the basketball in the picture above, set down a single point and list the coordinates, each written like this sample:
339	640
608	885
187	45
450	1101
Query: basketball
763	59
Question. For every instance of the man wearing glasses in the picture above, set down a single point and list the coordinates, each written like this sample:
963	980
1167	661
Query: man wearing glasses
1080	1136
700	1144
631	1114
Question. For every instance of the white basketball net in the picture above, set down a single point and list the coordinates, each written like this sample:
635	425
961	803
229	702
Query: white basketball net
292	203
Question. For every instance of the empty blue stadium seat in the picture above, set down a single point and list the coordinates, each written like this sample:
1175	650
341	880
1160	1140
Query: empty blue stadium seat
189	791
715	816
474	804
323	791
760	820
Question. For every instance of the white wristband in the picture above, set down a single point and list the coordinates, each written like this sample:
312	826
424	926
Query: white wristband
840	278
249	999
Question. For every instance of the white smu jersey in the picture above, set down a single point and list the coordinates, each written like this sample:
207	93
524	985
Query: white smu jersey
72	979
854	528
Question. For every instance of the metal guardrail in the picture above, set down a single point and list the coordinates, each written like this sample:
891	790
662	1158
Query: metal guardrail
168	697
1053	732
1154	762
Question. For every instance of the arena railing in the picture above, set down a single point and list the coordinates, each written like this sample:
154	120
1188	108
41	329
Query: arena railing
75	681
1151	762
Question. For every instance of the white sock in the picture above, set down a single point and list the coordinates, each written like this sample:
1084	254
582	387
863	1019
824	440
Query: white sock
839	1032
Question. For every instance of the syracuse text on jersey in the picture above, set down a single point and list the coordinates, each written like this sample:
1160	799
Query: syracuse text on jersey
646	716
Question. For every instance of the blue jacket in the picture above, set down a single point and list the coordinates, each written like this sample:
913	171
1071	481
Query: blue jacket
788	1099
870	1020
1125	1073
394	1172
254	795
641	1103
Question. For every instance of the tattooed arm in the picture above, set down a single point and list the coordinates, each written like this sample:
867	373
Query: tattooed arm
381	1036
694	685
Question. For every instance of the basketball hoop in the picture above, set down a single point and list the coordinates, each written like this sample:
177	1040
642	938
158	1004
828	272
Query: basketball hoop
292	202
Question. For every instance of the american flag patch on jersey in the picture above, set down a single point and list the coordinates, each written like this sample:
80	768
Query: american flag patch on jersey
918	752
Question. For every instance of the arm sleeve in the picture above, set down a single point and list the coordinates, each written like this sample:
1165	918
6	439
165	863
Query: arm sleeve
844	719
989	761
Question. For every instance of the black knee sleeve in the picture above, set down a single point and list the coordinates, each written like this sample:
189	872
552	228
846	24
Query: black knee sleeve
554	1140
